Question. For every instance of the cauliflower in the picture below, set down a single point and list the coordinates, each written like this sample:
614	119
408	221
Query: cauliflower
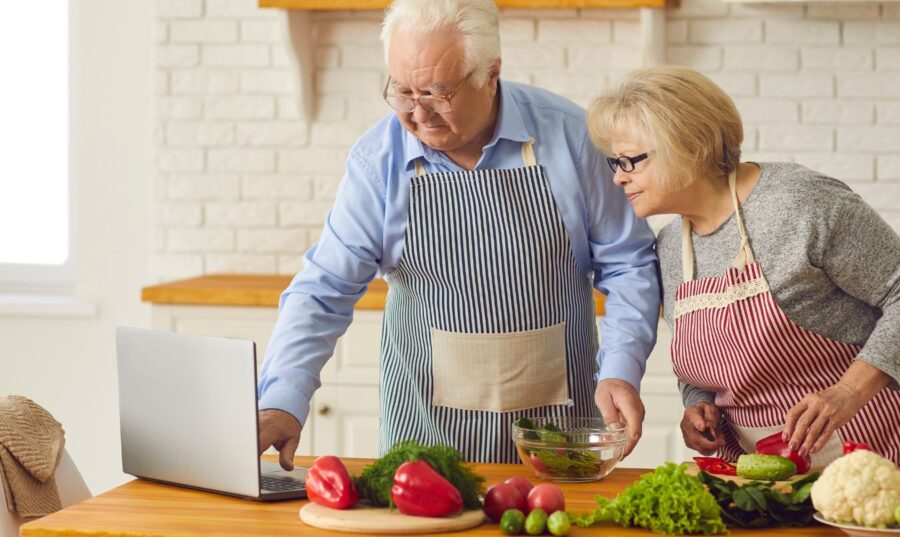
861	487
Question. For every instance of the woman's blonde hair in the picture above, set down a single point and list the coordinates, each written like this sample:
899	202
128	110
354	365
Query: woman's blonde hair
687	121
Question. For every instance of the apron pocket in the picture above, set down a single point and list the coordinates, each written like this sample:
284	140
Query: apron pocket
500	372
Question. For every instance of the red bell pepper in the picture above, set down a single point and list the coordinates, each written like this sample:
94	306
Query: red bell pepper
329	484
420	491
850	446
774	445
715	465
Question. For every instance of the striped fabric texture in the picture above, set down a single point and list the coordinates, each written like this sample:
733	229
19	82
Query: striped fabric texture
486	252
760	363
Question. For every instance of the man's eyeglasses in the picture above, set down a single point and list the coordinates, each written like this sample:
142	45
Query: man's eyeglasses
626	163
439	104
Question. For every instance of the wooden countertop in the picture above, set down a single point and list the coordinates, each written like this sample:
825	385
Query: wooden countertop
259	290
142	508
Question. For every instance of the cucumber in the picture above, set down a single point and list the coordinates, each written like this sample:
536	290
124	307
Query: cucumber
512	522
559	524
765	467
536	523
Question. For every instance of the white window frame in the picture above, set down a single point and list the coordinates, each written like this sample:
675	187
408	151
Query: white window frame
18	280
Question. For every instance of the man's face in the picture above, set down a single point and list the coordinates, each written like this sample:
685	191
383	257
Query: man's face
434	65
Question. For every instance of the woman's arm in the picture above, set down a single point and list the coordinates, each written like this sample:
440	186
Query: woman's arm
861	255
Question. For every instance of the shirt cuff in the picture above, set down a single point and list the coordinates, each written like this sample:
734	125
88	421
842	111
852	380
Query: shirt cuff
623	367
286	399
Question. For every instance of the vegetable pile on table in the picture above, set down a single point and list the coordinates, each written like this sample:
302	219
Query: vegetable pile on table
430	481
378	479
518	505
774	460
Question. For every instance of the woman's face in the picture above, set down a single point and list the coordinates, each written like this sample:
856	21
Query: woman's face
640	185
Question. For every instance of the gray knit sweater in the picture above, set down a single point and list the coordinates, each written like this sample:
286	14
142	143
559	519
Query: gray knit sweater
832	263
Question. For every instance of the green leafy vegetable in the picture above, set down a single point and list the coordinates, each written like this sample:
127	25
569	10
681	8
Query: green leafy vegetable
665	501
570	462
376	480
759	504
575	464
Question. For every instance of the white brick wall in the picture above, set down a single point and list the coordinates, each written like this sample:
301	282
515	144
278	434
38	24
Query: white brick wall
245	182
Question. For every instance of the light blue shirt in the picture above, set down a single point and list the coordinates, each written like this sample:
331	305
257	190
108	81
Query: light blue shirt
363	238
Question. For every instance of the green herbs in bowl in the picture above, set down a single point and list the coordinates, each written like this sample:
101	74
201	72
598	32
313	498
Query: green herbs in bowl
569	448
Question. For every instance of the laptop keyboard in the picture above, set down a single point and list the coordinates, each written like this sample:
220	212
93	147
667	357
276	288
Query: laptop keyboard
280	484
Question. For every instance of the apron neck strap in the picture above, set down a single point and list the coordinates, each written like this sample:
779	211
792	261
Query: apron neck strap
528	153
744	256
527	157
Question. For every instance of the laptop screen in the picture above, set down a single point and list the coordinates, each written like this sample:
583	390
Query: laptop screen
187	409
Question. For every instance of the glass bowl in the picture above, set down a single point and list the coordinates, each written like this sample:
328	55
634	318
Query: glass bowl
571	449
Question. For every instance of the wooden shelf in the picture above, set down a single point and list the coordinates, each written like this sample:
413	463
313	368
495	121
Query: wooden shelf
300	30
260	290
528	4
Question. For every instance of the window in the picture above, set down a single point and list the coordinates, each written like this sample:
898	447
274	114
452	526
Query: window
35	215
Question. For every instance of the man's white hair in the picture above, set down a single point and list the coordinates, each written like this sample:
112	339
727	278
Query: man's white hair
476	21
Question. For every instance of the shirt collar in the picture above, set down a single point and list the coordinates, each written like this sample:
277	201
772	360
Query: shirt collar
510	126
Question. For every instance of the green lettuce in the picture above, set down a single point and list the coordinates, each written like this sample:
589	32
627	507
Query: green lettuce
664	501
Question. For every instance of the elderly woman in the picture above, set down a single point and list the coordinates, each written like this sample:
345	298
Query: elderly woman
782	287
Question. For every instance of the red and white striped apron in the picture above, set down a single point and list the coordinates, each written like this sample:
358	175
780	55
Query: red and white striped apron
731	338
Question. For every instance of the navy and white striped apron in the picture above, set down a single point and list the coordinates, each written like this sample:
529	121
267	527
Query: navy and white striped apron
486	259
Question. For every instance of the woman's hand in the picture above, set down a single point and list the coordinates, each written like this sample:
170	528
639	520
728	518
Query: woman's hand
699	426
812	421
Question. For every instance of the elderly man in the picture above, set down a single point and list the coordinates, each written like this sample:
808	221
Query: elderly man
486	208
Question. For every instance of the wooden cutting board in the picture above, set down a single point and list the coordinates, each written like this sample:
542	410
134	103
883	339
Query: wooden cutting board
382	520
693	470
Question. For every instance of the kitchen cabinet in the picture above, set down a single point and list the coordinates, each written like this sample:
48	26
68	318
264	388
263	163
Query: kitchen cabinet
343	417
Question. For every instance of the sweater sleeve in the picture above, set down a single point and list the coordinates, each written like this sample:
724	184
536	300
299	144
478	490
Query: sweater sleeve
862	256
691	395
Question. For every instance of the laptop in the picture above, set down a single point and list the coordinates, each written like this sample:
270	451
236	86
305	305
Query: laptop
188	415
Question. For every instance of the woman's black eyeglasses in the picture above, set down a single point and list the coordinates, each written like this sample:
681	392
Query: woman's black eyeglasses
626	163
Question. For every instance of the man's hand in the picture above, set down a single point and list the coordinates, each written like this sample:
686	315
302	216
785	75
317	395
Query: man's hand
620	404
282	430
699	426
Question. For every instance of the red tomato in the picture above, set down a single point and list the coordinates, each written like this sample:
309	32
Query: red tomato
538	464
522	484
547	497
501	497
